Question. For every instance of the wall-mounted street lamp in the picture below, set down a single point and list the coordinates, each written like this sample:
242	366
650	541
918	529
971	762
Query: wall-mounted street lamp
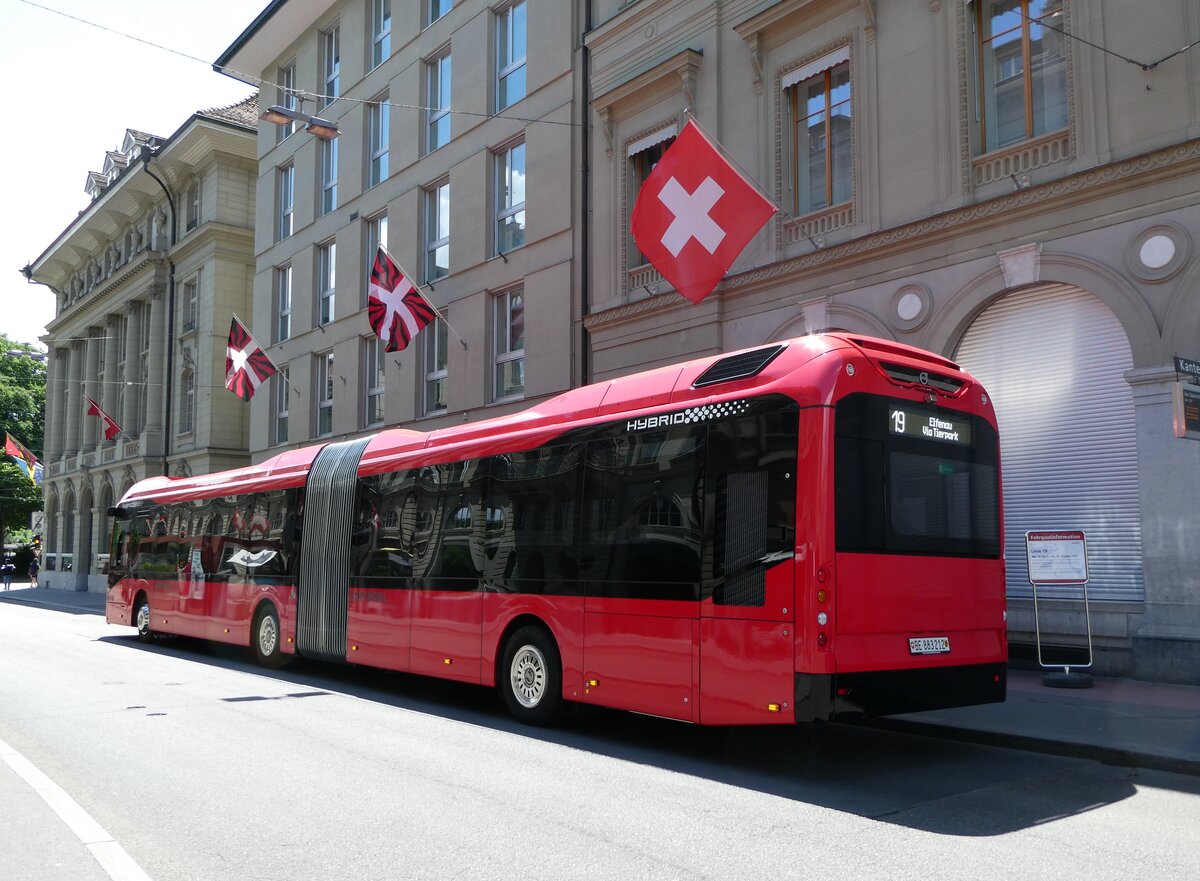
314	125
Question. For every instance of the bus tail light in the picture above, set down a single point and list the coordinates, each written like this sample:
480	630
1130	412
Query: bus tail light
822	618
822	639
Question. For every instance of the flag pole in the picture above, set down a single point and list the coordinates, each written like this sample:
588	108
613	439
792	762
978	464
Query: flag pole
286	377
436	310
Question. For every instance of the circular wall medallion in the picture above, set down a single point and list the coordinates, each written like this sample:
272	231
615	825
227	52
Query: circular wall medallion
911	306
1158	252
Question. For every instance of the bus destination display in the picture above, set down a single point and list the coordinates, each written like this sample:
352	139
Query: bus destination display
951	428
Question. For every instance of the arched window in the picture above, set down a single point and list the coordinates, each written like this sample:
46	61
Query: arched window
187	401
193	206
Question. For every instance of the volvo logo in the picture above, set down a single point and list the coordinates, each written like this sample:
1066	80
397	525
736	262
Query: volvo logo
923	378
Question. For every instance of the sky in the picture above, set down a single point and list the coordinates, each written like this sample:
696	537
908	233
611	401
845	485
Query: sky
73	89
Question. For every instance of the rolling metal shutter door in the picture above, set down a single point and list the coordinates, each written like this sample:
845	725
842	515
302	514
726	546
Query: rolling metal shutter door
1053	360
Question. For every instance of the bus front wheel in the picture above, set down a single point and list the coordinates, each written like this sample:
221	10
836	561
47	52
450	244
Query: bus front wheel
531	676
141	618
267	638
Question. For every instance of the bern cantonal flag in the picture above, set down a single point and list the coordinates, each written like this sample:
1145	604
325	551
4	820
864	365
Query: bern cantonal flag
111	429
246	364
395	308
695	213
25	459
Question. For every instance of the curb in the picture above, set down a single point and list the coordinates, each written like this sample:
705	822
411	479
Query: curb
1105	755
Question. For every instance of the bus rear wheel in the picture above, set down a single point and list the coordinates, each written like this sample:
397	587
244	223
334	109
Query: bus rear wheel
141	618
266	639
531	676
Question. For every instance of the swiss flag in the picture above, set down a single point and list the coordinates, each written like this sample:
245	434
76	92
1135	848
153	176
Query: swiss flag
695	213
247	366
395	308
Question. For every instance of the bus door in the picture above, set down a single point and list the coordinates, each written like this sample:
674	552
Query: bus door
747	611
640	566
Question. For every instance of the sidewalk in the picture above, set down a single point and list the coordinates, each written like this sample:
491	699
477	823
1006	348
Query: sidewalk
1118	721
63	600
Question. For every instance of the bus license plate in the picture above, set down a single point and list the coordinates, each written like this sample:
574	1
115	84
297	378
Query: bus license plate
929	645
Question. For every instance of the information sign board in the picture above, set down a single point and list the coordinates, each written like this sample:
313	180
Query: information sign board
1056	557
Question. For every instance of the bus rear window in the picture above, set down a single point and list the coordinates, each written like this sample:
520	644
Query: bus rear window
902	490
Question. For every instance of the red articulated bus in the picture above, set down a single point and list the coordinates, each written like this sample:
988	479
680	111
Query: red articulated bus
800	531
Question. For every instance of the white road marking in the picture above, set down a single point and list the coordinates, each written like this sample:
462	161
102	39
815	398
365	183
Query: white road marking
108	853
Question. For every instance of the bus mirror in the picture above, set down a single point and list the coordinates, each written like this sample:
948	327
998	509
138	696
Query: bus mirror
114	511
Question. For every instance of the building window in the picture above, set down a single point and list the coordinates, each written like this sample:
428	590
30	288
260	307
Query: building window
510	55
287	199
510	199
287	98
331	64
381	31
280	392
326	281
821	135
1022	70
187	402
191	294
373	352
438	102
377	122
435	367
641	163
437	231
438	8
377	233
324	391
329	175
283	303
192	199
508	321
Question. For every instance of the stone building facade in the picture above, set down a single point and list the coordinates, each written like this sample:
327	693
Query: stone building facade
146	278
978	178
456	149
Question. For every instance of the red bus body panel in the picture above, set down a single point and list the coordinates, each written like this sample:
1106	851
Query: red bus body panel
688	660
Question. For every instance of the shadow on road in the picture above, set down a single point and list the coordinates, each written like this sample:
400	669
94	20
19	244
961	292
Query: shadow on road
918	782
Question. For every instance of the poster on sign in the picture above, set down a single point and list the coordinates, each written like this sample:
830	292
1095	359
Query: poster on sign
1056	557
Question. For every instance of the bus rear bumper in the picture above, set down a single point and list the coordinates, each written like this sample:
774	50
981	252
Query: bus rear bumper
889	692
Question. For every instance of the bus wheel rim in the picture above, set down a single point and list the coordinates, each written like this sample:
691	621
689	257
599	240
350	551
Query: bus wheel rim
143	618
268	636
528	676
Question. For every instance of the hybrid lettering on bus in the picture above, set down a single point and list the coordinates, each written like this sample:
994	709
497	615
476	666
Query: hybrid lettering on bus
799	531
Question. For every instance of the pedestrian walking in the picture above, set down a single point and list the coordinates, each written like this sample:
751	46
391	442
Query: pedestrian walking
33	571
7	571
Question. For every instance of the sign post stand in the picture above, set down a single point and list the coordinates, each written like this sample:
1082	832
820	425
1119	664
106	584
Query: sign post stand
1060	558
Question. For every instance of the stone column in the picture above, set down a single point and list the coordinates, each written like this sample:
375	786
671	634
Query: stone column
108	394
73	399
153	417
55	377
91	389
133	369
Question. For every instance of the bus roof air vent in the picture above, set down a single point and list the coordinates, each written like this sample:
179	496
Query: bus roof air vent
902	373
740	366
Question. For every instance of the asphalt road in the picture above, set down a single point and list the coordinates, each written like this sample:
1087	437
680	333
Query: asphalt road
200	765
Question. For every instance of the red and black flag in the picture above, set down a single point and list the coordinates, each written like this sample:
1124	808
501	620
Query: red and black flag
246	364
395	308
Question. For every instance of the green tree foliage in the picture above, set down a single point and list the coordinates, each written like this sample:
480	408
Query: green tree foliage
22	393
18	497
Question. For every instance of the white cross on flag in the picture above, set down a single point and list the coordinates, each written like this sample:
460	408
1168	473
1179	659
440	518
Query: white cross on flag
395	308
695	213
247	366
